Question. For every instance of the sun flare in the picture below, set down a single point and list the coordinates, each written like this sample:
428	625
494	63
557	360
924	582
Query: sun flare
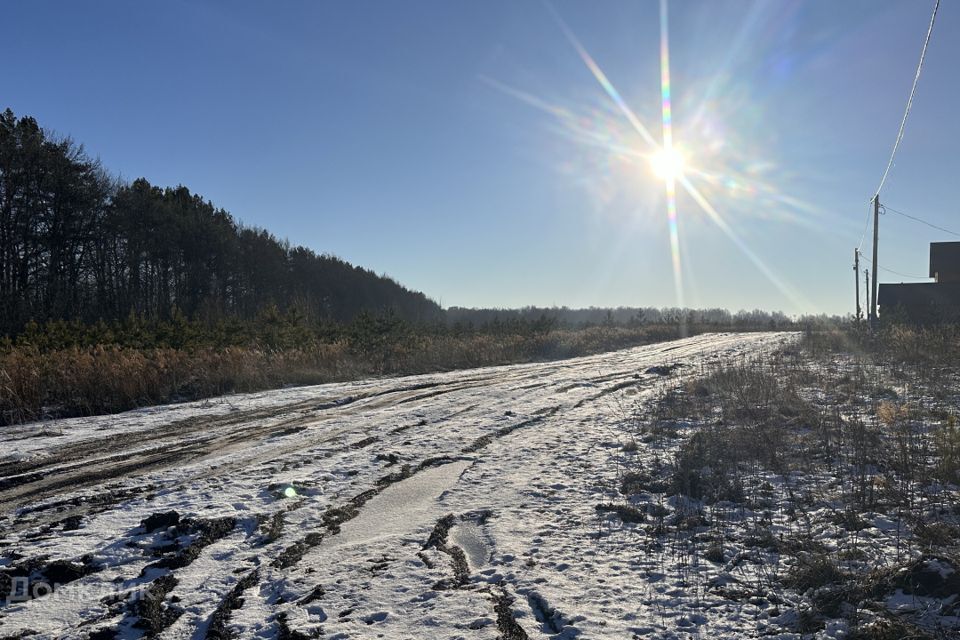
668	164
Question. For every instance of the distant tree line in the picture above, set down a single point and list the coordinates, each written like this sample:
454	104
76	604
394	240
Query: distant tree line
621	316
78	244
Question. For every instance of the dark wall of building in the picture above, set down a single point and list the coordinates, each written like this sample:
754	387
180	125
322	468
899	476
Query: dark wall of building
945	261
920	303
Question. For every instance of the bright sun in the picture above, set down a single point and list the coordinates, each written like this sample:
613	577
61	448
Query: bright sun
668	164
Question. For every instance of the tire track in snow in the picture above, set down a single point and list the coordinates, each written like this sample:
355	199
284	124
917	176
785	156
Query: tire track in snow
201	434
42	480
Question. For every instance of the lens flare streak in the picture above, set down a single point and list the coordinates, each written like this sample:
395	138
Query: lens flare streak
794	297
601	78
571	126
668	152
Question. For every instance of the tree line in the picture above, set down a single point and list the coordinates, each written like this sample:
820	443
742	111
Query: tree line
620	316
78	244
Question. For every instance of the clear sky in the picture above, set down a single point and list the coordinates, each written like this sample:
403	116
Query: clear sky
466	149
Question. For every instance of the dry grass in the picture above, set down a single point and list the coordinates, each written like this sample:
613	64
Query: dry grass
38	384
799	461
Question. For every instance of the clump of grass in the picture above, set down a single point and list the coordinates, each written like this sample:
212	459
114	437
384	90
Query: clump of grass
813	571
890	413
714	553
946	444
748	413
888	629
626	512
634	482
705	467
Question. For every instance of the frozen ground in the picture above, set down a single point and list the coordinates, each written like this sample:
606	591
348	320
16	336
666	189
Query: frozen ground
456	505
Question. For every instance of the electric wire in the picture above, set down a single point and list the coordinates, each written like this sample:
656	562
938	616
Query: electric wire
883	209
896	146
920	220
905	275
913	90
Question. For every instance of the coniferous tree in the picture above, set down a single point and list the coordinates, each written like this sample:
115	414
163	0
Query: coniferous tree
75	244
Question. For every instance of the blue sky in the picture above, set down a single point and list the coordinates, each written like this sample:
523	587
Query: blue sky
465	149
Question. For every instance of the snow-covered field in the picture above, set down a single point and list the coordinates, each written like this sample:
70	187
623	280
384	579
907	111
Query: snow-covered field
455	505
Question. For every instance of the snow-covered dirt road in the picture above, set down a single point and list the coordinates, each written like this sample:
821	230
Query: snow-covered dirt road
455	505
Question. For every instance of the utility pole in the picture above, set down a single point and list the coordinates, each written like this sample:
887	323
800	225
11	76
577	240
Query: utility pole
873	288
856	281
866	287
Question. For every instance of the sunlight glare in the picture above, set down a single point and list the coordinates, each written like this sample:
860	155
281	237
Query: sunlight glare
668	164
732	170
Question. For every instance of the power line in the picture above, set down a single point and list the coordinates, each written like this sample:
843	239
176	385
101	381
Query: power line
905	275
916	219
913	90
